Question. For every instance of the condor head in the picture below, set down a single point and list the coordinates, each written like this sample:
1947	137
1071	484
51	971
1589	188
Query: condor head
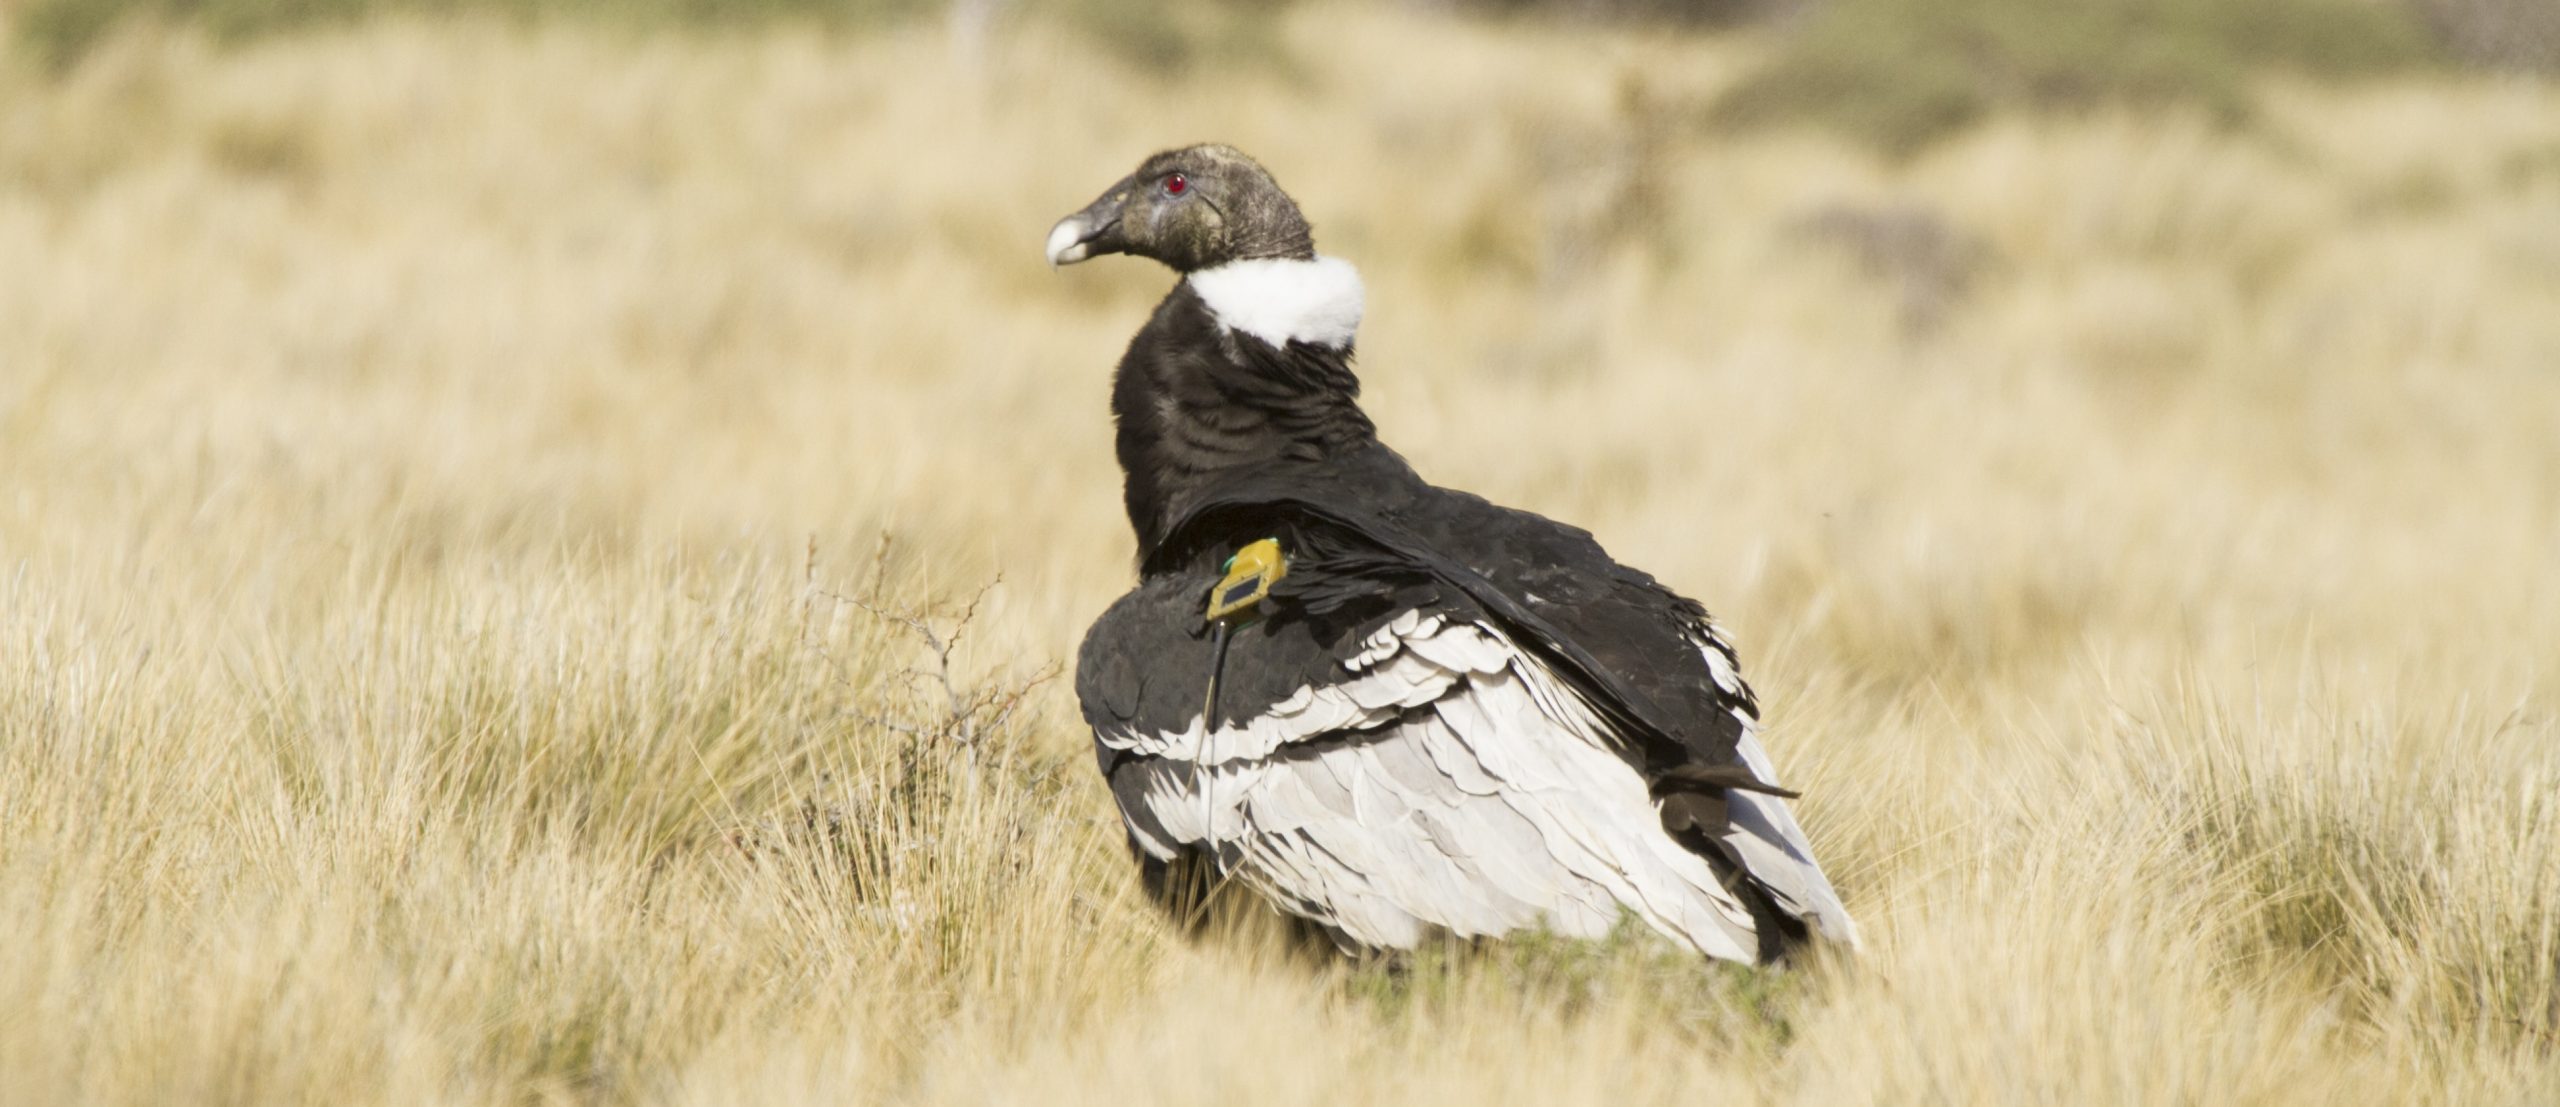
1195	208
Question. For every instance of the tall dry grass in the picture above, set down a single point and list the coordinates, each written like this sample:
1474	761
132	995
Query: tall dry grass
445	652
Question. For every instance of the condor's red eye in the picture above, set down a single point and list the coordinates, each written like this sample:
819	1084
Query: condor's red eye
1176	185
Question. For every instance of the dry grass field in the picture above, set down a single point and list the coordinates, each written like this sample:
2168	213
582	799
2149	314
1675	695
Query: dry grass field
460	486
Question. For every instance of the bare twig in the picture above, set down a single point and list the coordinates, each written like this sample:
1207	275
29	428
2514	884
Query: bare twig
970	713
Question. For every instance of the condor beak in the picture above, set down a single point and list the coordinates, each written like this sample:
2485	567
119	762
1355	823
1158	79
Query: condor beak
1093	232
1070	241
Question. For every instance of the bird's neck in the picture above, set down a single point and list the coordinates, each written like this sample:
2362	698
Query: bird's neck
1203	399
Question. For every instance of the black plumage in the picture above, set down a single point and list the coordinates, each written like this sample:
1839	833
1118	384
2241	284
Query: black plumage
1233	429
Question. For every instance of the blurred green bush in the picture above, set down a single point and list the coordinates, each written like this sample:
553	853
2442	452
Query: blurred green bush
1901	74
60	32
1175	39
2504	34
1703	13
1167	39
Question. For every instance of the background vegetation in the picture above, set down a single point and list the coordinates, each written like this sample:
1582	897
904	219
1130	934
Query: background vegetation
449	651
1891	72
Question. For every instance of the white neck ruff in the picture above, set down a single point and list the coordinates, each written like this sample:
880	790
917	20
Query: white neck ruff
1279	299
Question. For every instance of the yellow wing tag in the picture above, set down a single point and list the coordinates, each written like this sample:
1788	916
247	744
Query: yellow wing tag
1250	575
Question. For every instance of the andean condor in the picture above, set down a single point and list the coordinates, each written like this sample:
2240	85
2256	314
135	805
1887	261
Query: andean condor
1424	713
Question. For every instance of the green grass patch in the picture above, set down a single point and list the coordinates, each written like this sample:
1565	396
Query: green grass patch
1735	1006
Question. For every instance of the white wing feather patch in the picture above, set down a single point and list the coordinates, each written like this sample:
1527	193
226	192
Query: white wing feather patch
1764	833
1720	667
1500	808
1407	663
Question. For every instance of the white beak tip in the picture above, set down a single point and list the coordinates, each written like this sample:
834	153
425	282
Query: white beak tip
1066	242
